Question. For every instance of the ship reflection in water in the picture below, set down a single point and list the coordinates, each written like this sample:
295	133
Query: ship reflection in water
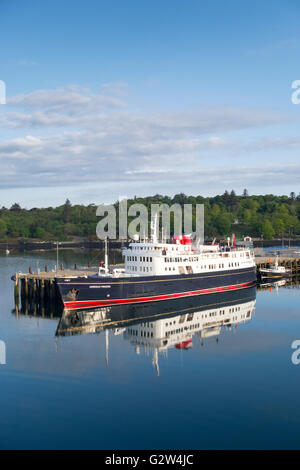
158	326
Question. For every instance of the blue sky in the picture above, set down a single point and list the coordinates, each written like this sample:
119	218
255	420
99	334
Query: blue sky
109	98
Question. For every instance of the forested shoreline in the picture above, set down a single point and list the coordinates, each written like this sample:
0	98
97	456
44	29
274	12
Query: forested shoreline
262	216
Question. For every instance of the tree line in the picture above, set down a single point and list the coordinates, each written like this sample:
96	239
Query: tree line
266	216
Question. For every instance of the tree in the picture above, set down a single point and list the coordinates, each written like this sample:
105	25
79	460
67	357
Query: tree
292	196
233	201
215	211
223	224
3	228
40	232
180	198
279	226
226	198
245	193
67	211
267	230
15	207
247	216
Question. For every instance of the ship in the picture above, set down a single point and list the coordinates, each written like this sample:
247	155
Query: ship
157	270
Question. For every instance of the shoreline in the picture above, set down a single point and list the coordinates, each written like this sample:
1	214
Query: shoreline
22	245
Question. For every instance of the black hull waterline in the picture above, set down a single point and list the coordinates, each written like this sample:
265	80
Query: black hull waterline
95	320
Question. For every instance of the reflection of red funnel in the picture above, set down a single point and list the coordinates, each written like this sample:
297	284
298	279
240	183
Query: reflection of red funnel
184	344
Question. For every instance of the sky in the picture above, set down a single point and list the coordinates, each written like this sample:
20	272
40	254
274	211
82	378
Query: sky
133	97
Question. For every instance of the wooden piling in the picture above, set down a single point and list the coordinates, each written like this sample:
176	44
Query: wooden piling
51	290
23	288
30	290
42	289
16	289
26	287
34	288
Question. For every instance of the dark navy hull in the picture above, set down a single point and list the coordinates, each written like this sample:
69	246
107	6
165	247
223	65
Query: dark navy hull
97	291
95	320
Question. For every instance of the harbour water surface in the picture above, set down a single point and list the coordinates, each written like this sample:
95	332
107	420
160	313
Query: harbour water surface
93	383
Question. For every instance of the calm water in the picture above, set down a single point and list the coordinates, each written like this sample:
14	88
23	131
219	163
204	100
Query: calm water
66	384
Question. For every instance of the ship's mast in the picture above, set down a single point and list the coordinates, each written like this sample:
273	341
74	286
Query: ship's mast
106	257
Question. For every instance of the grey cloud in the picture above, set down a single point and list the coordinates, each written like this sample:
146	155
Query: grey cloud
266	144
68	99
74	158
78	107
102	139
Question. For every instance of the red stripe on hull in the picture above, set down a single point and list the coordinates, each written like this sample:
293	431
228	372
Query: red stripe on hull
101	303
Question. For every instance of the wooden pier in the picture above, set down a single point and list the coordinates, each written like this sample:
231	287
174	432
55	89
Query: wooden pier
37	290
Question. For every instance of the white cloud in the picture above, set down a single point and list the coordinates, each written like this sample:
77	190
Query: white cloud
74	136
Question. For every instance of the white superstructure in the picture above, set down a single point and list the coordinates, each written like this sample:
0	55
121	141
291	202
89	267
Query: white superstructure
157	259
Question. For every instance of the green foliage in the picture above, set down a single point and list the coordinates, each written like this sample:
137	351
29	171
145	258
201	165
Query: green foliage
223	224
267	230
3	228
225	214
